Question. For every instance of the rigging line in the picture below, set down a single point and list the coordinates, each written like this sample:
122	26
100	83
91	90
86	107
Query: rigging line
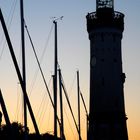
42	111
19	57
2	50
69	122
33	82
49	122
45	109
46	44
50	112
84	103
38	63
41	107
71	88
13	7
17	106
66	95
41	59
20	106
42	74
43	117
10	46
10	13
43	99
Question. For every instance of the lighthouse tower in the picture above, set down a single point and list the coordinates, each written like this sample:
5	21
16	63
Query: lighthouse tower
107	118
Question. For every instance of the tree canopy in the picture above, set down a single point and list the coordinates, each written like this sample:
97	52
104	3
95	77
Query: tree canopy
16	131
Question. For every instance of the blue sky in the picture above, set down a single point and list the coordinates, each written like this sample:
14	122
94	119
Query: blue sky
73	46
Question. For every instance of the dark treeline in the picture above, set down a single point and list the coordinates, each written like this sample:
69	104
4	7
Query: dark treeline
16	132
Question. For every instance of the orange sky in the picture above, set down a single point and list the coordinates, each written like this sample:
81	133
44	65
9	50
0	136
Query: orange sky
73	51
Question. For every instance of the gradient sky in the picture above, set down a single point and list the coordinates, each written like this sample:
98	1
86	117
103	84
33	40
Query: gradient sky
73	51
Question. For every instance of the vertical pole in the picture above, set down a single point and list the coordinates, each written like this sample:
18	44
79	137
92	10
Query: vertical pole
87	123
78	92
18	71
55	81
23	64
61	108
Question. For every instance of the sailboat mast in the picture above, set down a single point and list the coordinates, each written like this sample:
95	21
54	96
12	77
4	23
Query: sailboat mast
23	63
55	80
78	93
18	71
61	108
87	121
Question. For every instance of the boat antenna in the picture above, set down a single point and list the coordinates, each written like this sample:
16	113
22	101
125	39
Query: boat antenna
57	18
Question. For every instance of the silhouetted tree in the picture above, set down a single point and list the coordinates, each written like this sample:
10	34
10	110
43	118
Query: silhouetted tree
16	132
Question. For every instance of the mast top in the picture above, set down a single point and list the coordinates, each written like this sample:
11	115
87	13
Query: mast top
101	4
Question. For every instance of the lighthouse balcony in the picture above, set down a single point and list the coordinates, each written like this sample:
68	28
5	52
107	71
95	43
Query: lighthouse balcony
104	19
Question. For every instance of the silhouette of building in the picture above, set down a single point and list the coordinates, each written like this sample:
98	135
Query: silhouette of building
107	118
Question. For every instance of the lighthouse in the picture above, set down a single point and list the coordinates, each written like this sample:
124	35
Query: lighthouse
107	117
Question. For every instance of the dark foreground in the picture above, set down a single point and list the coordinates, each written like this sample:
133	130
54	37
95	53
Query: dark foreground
16	132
